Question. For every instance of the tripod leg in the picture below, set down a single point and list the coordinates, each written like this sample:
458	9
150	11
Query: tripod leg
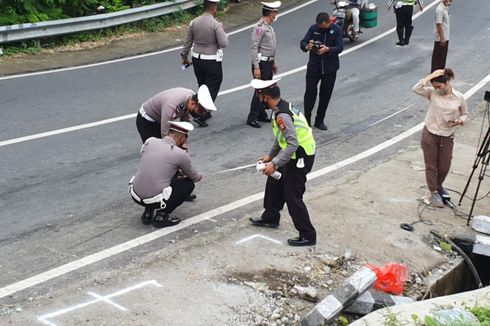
480	179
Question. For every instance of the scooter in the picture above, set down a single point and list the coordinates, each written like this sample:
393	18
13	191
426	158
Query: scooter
342	16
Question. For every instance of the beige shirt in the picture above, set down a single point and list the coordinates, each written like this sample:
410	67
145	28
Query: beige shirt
160	160
442	109
206	34
263	41
442	17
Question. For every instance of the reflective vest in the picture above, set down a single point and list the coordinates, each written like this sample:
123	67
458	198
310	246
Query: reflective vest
303	131
409	2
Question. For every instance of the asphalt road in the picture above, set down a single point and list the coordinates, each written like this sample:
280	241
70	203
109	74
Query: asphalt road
65	196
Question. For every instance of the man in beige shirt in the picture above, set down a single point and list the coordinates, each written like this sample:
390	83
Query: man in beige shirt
207	38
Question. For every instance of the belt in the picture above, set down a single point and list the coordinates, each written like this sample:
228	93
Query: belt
204	56
145	116
266	58
148	201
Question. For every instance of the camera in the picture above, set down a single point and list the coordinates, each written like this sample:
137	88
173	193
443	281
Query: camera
487	96
316	45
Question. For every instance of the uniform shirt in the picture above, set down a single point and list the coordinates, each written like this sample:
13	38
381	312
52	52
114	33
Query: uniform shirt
263	41
442	109
163	106
332	38
207	35
399	3
160	160
286	124
441	17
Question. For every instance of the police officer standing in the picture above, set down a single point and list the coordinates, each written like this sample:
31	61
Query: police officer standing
325	42
207	38
292	154
155	185
155	114
403	12
263	46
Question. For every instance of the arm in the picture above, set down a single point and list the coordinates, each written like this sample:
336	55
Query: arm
186	167
305	44
421	4
286	125
221	36
339	43
255	39
189	39
463	111
421	89
389	4
440	31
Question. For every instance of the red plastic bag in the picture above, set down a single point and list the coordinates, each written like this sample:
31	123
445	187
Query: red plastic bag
390	278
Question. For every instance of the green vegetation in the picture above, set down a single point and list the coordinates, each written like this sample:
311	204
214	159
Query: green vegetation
21	11
483	315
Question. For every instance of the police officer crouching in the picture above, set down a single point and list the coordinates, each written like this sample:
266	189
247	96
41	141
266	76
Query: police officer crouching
292	154
165	176
154	116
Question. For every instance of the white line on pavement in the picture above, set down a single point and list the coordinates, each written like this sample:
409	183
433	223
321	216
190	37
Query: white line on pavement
228	91
139	55
258	236
98	256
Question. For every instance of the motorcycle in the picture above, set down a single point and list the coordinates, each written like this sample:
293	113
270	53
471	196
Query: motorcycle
342	16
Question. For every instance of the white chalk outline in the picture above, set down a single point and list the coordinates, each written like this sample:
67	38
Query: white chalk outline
257	236
99	298
109	252
228	91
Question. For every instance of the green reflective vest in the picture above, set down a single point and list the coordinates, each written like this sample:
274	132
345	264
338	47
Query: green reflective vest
303	131
410	2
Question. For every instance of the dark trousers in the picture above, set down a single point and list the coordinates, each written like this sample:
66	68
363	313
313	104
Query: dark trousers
326	89
181	189
439	56
209	73
147	128
257	109
404	23
438	154
290	189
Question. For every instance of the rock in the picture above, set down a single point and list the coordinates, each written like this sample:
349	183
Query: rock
275	316
307	293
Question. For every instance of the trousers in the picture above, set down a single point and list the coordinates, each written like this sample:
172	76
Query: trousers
257	110
326	88
438	154
439	56
289	189
209	73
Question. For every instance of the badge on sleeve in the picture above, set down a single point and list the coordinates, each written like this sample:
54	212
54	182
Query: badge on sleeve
280	124
258	31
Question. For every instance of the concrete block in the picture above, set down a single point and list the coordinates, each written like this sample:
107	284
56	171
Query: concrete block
481	223
482	245
330	307
372	300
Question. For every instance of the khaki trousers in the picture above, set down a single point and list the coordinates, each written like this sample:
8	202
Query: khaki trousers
438	153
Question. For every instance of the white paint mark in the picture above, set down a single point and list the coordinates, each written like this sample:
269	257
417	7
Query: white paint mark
45	72
130	116
258	236
104	299
44	318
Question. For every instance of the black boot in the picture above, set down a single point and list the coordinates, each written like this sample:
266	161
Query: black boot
147	216
408	33
399	32
162	219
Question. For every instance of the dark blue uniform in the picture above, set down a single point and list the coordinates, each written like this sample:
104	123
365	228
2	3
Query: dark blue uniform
321	67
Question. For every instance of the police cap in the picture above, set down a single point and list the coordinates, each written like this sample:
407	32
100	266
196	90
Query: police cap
271	5
263	84
181	126
204	98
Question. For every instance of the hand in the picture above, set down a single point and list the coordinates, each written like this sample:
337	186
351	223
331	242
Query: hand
265	158
457	122
388	8
274	69
309	46
421	8
185	61
269	169
435	74
323	49
257	73
443	43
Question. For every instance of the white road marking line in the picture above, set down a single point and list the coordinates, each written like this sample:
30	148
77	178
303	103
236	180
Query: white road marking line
228	91
91	259
106	298
45	72
257	236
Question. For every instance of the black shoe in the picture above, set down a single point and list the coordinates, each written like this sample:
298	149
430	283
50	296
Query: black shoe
257	221
400	43
254	124
200	122
147	216
162	220
264	119
300	242
321	126
191	197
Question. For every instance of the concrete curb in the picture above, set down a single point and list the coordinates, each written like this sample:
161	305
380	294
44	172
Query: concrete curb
330	307
372	300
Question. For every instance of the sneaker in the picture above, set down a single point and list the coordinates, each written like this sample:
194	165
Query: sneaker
436	200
